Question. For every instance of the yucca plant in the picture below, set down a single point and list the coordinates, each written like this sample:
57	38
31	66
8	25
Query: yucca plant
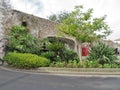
102	53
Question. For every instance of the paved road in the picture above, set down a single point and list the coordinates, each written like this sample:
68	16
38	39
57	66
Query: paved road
24	81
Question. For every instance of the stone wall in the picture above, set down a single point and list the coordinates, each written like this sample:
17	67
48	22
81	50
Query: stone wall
39	27
111	43
2	35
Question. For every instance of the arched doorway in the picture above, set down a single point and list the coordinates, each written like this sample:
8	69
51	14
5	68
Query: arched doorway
70	44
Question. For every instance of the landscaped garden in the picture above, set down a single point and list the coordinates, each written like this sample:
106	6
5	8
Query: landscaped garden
26	51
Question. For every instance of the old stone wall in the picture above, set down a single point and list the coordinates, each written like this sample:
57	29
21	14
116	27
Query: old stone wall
2	35
39	27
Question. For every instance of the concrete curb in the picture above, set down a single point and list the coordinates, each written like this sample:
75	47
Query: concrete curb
69	71
82	71
61	73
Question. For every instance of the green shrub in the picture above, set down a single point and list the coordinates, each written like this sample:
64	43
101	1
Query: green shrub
80	64
26	60
58	52
22	41
49	55
67	55
55	46
103	54
116	64
69	64
60	64
90	64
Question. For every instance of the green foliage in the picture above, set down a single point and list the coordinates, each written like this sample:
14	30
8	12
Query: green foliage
60	64
67	54
85	64
50	55
91	64
25	60
58	52
69	64
22	41
116	64
102	53
59	17
82	26
16	30
55	46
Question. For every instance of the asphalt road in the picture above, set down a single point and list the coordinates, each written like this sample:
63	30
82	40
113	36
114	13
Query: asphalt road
25	81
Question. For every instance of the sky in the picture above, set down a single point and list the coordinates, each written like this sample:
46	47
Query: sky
44	8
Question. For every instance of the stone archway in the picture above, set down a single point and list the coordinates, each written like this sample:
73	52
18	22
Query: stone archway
70	44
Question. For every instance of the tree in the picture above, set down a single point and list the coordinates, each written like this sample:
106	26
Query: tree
5	4
82	26
59	17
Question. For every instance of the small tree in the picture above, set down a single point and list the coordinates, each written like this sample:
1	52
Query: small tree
82	26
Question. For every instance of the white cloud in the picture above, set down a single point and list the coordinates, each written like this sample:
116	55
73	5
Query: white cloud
28	6
55	6
44	8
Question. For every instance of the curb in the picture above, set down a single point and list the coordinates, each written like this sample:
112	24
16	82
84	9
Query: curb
82	71
79	72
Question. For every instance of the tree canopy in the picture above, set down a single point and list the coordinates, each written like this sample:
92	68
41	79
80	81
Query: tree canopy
81	25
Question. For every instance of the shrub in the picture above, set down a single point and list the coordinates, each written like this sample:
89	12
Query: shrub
102	53
55	46
70	64
49	55
80	64
67	55
22	41
57	51
26	60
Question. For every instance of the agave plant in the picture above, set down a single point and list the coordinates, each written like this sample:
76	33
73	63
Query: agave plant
102	53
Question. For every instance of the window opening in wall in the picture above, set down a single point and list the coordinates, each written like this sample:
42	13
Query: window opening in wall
12	13
24	24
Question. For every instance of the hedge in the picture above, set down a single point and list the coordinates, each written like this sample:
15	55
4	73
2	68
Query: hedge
26	60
